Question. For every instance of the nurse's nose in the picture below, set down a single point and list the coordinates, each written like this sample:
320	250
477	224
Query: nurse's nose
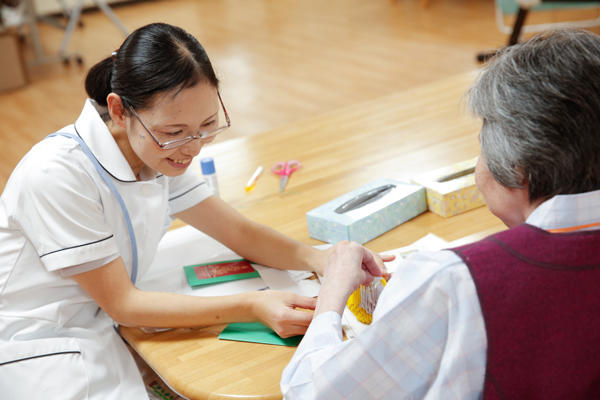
192	148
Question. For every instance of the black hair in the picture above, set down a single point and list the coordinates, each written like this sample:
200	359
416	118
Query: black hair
154	58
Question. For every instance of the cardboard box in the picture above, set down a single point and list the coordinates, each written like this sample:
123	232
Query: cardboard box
397	205
12	71
451	190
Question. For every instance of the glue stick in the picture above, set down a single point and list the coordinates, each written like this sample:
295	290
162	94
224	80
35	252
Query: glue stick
208	171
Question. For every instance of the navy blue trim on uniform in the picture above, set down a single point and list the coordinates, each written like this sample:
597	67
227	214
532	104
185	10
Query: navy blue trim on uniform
40	356
79	245
187	191
103	167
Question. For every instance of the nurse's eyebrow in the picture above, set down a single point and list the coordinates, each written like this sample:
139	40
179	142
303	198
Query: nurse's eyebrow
206	120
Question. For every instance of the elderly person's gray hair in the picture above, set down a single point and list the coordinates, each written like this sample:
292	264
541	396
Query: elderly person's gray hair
540	105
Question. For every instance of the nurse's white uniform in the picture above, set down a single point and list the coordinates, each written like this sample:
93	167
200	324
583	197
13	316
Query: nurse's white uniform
58	218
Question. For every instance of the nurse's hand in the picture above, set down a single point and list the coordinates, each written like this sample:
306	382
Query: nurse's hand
288	314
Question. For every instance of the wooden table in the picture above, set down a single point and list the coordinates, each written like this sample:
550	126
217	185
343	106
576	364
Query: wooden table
399	135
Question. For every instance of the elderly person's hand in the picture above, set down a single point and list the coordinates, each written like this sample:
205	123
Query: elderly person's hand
349	266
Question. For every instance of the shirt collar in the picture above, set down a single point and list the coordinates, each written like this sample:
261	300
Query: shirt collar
94	132
565	211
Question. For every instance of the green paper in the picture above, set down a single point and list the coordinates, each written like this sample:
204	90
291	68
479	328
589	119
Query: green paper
193	280
256	332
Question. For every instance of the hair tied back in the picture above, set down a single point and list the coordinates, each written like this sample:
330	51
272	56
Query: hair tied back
153	59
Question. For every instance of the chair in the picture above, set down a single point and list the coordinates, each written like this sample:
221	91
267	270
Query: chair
506	8
74	13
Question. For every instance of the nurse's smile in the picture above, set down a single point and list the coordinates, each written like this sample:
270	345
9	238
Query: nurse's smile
179	164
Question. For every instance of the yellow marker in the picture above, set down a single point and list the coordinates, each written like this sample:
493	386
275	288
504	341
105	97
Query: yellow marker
363	300
252	182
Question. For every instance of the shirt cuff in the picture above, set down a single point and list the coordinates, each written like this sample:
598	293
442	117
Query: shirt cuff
324	330
317	346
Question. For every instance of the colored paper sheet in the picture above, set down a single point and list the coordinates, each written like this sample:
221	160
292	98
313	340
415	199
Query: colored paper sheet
256	332
223	271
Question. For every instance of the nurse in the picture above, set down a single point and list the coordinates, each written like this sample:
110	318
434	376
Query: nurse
83	212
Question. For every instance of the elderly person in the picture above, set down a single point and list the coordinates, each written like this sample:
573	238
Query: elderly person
515	315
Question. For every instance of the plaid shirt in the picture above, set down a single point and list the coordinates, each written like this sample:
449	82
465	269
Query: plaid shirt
427	339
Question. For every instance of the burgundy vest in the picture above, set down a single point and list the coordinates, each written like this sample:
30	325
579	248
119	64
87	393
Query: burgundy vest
540	298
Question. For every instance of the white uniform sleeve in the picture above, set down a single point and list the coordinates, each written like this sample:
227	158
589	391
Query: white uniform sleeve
186	190
427	340
60	212
87	266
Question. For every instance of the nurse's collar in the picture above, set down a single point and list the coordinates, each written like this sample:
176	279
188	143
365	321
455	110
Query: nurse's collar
147	174
102	111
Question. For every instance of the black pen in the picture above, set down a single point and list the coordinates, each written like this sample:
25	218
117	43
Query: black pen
364	198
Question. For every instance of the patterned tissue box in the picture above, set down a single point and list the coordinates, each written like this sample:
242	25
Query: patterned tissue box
451	190
401	203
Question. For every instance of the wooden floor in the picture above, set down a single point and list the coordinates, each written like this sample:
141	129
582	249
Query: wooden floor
279	61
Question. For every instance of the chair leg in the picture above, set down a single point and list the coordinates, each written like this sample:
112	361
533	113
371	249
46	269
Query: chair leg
514	36
518	26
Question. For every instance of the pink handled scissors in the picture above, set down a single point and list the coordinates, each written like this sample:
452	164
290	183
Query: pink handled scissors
284	169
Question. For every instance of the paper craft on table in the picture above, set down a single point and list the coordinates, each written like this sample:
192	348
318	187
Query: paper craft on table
256	332
429	242
217	272
289	281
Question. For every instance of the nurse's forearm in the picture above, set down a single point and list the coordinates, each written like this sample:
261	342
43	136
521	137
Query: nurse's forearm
112	289
266	246
251	240
172	310
286	313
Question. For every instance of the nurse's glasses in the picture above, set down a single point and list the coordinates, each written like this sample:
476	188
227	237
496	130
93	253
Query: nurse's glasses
171	144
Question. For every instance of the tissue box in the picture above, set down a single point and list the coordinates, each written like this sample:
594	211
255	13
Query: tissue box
451	190
403	202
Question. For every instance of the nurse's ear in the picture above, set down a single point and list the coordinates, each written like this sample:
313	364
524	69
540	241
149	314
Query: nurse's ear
117	111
